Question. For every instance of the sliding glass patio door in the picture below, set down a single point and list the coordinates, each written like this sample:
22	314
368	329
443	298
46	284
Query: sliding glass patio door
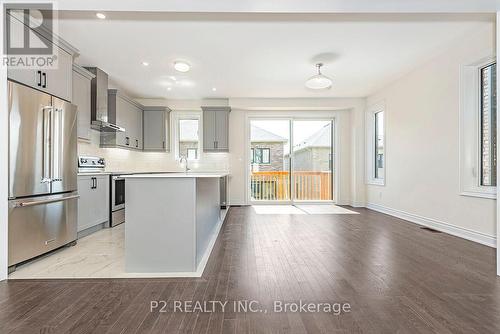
291	160
270	160
312	160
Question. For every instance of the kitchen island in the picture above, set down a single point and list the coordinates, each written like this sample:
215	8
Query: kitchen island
172	222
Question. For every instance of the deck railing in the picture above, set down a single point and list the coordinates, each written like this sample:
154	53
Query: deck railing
307	185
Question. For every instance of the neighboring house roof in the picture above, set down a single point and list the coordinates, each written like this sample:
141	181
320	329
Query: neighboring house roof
322	138
259	135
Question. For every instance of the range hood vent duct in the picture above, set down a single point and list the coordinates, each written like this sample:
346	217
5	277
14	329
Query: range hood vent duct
100	118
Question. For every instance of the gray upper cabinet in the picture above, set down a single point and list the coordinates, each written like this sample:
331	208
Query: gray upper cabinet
216	129
155	125
127	113
81	98
55	81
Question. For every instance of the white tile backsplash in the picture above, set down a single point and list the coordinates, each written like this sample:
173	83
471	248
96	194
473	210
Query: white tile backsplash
135	161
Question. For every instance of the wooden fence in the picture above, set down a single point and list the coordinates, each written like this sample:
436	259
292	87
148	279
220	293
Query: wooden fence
307	185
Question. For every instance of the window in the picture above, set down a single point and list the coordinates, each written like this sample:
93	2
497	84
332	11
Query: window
188	138
379	145
478	140
261	155
375	144
488	115
192	153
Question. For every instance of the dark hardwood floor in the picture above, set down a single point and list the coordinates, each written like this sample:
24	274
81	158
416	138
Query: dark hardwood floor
395	276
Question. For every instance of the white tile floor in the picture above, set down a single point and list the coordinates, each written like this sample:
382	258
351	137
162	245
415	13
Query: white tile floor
99	255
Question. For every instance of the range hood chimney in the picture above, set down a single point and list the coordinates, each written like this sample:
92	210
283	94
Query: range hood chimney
100	118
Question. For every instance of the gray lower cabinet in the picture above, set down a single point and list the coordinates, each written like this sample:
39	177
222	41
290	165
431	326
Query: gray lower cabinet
81	98
93	204
155	120
128	114
56	81
216	129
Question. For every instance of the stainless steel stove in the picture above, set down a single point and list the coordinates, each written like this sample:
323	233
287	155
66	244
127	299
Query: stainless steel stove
88	164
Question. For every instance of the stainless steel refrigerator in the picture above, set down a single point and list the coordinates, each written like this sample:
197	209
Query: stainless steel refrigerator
43	197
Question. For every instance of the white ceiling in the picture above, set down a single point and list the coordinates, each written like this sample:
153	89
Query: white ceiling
288	6
259	55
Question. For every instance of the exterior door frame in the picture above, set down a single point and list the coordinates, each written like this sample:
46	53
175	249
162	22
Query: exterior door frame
290	119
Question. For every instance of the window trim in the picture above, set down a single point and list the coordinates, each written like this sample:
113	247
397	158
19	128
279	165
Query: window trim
470	130
371	142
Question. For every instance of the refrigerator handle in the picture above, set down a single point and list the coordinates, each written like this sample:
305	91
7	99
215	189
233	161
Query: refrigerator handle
56	141
45	201
46	144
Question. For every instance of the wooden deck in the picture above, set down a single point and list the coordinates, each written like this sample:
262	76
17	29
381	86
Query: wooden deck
307	185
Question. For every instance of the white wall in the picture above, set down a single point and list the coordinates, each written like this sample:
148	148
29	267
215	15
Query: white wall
422	142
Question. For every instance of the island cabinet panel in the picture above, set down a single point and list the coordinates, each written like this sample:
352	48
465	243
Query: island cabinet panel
216	129
173	221
56	81
81	98
93	204
128	114
155	125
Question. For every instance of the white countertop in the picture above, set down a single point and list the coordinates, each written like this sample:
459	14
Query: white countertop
176	175
93	173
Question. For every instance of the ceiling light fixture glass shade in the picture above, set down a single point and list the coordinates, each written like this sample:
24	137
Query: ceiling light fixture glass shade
181	66
319	81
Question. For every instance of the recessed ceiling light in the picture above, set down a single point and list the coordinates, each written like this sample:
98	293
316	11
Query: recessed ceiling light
101	16
214	89
169	88
145	63
181	66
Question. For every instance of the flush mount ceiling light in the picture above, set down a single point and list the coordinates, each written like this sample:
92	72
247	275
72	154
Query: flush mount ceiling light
181	66
145	63
214	89
101	16
319	81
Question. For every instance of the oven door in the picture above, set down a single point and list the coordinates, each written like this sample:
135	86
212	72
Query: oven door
117	193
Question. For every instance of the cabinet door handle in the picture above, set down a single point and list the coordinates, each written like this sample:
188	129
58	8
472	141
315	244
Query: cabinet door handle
44	80
163	144
136	143
127	141
95	179
39	83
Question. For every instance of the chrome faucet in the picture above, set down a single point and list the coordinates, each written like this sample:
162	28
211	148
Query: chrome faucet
186	167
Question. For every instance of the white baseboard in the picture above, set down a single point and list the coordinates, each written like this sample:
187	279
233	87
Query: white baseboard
484	239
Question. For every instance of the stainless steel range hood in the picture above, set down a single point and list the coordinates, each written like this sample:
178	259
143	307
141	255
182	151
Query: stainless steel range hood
101	119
